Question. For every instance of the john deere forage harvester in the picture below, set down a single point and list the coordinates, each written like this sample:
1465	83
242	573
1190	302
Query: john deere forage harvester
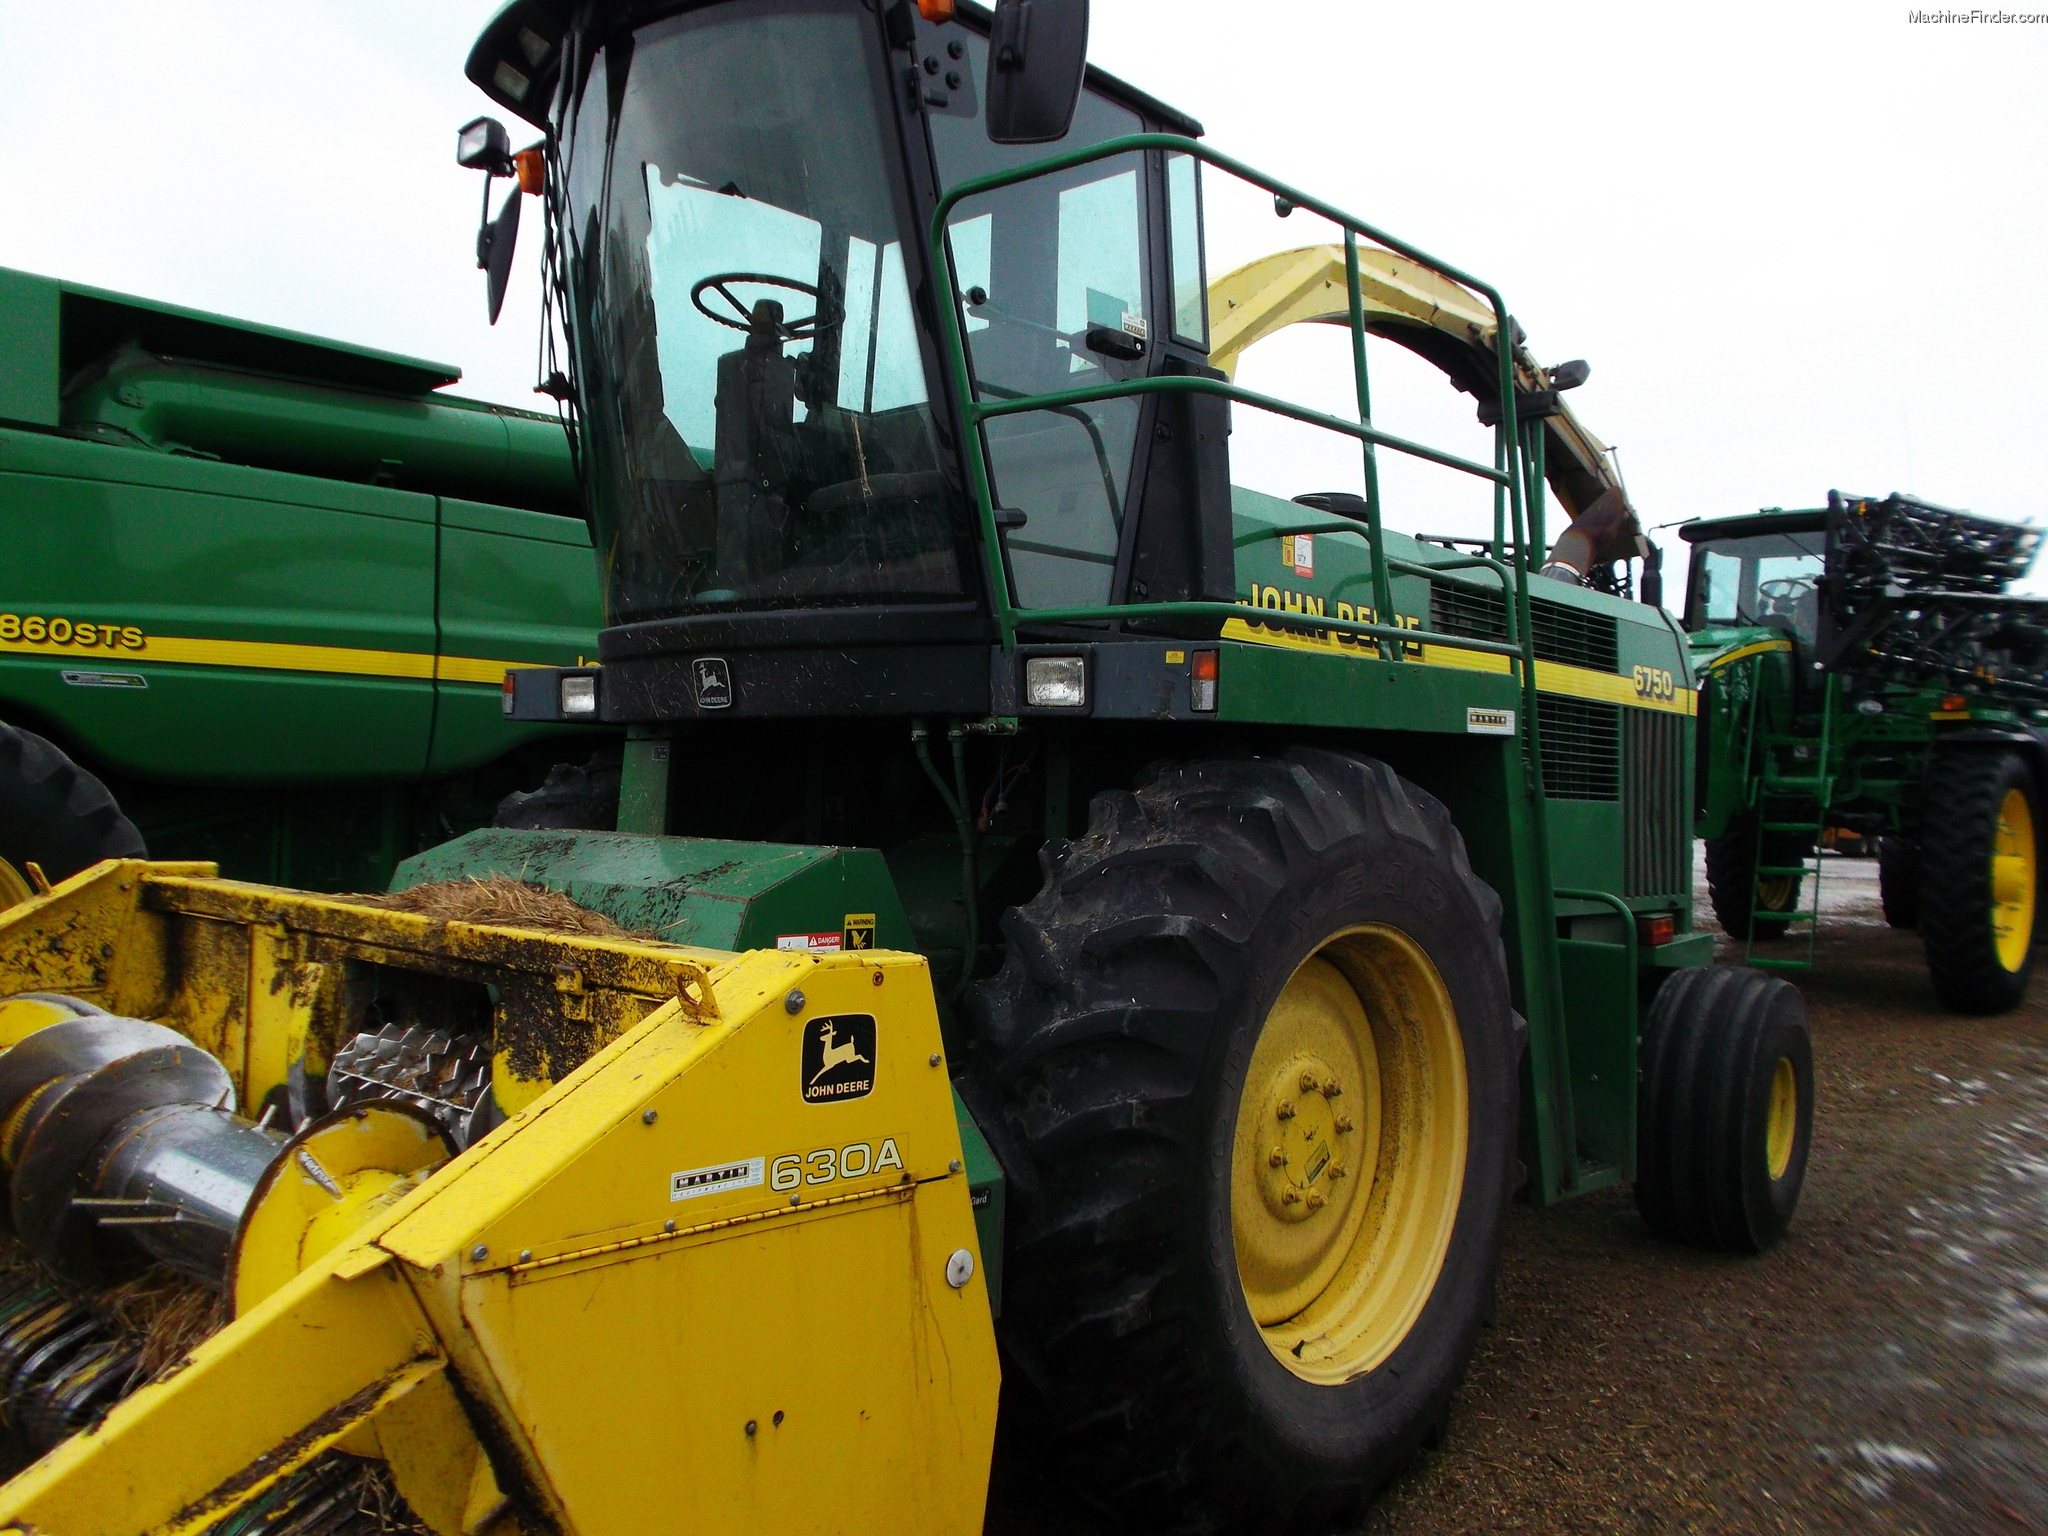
1284	895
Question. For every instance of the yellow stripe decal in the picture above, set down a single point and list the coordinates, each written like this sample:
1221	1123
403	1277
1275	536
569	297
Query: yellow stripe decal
1744	652
1551	676
272	656
470	669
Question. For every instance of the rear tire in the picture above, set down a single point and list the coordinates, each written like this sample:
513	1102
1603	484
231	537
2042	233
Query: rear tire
1725	1118
1142	1062
1980	879
55	815
1898	881
1732	881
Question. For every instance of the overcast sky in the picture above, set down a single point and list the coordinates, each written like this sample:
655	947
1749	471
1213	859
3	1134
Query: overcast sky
1800	245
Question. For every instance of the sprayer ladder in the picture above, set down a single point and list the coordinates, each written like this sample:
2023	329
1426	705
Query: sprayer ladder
1792	803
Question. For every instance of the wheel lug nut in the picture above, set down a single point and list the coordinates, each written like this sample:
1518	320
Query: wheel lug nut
1278	1157
1284	1110
1290	1197
1337	1170
1315	1199
1332	1088
1344	1123
1308	1082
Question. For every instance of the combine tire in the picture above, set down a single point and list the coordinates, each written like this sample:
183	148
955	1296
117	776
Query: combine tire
1980	879
55	815
1251	1064
1898	881
1732	878
1725	1120
572	798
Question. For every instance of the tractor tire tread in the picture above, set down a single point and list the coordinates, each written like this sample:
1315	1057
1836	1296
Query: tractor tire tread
1090	1045
1959	824
55	814
1898	880
1703	1046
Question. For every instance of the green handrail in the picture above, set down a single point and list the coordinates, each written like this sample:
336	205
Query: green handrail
1192	384
1628	917
973	412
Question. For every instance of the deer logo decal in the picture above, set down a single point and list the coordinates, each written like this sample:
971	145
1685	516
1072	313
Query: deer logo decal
839	1058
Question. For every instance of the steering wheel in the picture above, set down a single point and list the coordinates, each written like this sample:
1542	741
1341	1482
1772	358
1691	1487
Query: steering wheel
1785	589
742	318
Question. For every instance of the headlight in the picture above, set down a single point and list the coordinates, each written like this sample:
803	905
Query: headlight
579	695
1056	682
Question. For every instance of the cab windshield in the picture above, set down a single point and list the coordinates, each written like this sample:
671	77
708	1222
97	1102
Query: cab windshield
759	423
1769	579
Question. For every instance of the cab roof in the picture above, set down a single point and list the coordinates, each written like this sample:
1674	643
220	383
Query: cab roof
517	60
1775	520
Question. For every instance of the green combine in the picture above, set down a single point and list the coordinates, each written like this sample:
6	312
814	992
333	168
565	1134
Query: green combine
1867	671
262	589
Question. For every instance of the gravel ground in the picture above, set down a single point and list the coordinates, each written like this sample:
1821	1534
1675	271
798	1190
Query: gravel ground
1884	1369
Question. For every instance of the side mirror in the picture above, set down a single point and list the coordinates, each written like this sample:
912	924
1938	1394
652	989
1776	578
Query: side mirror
1038	53
494	246
483	145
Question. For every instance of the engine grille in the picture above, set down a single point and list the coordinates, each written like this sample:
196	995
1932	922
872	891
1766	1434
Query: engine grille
1656	836
1574	636
1563	633
1581	748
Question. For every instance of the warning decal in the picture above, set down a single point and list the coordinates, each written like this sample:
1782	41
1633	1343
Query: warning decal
811	943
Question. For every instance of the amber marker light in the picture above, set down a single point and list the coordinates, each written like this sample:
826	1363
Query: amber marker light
1658	928
935	10
531	167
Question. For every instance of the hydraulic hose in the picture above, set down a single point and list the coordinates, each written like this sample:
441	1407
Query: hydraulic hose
956	806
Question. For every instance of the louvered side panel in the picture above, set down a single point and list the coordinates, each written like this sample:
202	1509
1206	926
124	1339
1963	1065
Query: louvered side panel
1655	832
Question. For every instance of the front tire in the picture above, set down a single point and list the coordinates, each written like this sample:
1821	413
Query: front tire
1980	879
1898	880
1246	976
1732	883
55	815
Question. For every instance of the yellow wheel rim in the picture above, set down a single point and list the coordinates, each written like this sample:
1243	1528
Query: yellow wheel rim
1348	1158
2013	881
13	887
1784	1118
1777	893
